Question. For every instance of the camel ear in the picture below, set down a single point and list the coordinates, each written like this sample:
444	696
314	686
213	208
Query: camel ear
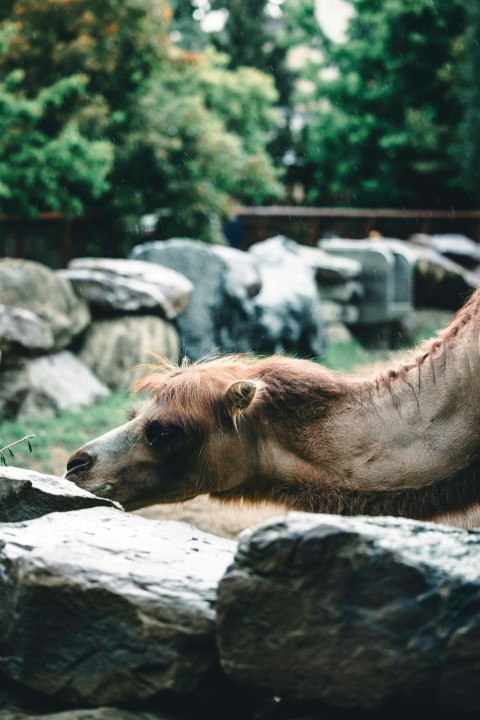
240	394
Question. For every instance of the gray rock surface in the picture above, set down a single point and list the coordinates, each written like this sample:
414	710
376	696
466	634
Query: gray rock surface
48	385
219	316
113	348
22	333
459	248
105	713
354	611
100	607
26	494
288	312
35	287
328	268
117	285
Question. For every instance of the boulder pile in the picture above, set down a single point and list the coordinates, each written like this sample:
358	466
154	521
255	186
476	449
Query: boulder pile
68	337
104	614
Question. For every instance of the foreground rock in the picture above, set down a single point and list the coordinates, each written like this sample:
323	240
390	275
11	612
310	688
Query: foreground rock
48	385
34	287
113	348
25	494
129	286
354	611
101	607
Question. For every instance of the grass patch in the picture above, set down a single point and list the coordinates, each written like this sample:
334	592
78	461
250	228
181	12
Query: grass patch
350	356
57	437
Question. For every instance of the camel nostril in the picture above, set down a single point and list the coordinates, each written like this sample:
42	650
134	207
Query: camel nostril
81	463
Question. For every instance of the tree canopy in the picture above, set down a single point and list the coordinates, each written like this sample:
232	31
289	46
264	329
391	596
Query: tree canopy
102	113
124	107
384	111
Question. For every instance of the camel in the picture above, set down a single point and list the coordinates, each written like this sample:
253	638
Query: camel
402	442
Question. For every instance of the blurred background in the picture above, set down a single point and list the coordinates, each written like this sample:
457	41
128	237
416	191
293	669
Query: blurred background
159	117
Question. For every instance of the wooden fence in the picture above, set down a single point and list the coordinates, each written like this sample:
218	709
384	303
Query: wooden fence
307	225
54	239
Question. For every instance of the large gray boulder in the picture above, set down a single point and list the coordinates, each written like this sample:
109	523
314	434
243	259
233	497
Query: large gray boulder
26	494
22	333
288	312
34	287
113	348
48	385
117	285
459	248
219	316
101	607
442	279
354	611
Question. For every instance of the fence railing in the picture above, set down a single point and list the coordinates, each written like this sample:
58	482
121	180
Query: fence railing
53	238
308	224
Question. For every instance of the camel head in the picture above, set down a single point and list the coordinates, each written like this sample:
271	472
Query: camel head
192	435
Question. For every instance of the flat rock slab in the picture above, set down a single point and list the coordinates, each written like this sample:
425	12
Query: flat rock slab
354	611
100	607
39	289
114	348
26	494
106	713
129	286
22	333
48	385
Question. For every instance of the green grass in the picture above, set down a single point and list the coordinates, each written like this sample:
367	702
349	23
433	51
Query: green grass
348	357
57	437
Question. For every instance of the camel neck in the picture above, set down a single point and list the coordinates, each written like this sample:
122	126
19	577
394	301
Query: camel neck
413	425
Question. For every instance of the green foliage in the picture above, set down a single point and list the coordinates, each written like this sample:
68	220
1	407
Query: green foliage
468	147
197	144
99	113
57	437
43	166
114	43
384	111
8	449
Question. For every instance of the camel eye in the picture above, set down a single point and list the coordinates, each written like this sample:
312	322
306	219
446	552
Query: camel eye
158	434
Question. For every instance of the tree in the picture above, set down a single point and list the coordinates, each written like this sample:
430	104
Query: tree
198	144
468	148
384	113
128	123
114	43
45	165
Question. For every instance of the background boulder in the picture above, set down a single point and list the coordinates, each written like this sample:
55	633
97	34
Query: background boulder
22	333
225	280
288	312
113	348
37	288
117	285
49	384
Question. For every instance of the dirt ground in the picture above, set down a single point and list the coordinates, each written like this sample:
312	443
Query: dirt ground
211	516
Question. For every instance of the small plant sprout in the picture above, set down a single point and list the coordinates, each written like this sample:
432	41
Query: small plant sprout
8	448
